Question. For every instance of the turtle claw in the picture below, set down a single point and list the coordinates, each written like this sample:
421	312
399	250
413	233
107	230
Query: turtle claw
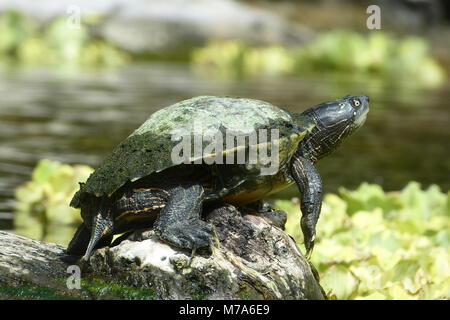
308	254
309	244
83	264
193	252
215	239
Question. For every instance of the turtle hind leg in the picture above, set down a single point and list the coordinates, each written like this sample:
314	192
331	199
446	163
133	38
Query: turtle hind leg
101	234
179	221
80	242
262	208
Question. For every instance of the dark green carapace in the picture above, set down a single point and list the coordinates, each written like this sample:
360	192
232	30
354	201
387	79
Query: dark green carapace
142	185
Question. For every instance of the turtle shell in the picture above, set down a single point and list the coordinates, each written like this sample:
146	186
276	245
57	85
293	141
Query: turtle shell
149	149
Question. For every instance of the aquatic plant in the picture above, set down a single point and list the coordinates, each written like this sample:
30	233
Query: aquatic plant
376	53
349	52
377	245
24	42
42	204
235	59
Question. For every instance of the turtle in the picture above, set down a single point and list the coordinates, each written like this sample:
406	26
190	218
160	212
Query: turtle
210	150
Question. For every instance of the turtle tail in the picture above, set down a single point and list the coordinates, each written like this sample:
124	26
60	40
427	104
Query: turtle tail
101	231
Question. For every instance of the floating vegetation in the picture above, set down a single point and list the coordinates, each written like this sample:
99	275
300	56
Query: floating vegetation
377	245
42	208
24	42
235	59
336	51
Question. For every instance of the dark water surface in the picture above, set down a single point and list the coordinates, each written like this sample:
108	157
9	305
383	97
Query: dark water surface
79	118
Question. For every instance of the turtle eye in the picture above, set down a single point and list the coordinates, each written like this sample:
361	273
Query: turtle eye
356	102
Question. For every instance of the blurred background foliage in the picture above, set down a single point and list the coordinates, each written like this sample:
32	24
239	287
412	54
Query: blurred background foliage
23	42
378	54
42	207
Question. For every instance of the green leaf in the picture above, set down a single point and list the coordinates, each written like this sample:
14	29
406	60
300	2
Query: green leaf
29	193
44	201
340	281
442	238
404	269
44	170
398	292
369	275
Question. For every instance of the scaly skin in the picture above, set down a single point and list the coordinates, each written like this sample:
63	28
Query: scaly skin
179	222
310	185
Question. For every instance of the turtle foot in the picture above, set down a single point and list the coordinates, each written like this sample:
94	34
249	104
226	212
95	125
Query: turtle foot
192	234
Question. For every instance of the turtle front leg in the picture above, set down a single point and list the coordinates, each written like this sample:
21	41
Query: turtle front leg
179	221
309	183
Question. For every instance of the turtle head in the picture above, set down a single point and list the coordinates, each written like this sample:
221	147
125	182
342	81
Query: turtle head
348	113
335	120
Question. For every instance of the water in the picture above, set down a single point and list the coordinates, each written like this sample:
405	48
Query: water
79	118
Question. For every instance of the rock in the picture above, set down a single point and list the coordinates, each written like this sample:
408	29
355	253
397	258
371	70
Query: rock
158	26
250	259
